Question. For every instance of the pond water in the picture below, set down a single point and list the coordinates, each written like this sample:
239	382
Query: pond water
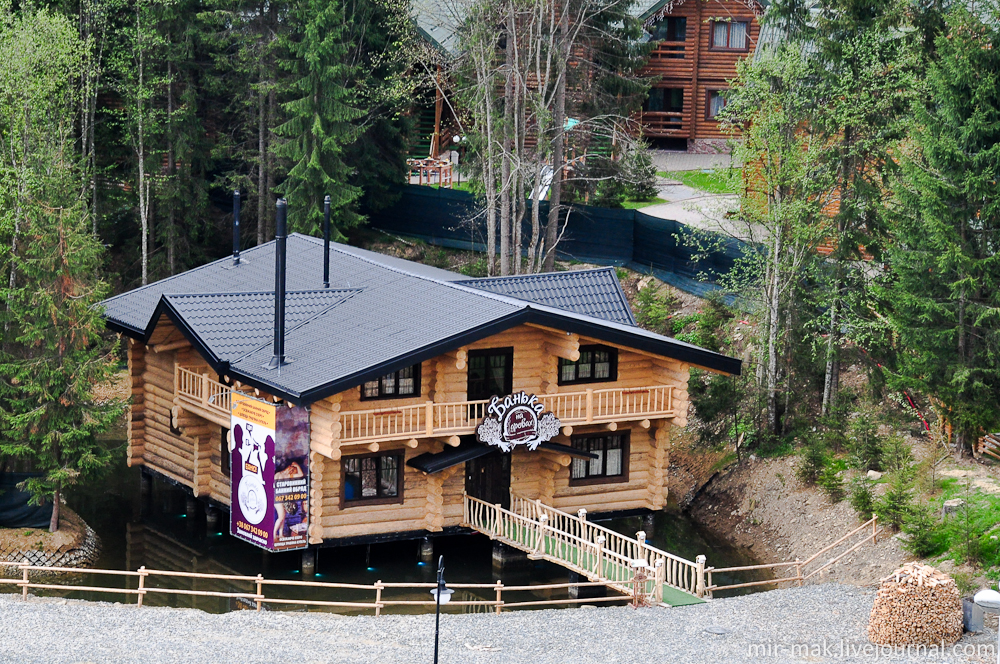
167	530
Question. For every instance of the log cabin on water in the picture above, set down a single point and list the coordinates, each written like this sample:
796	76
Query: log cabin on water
397	372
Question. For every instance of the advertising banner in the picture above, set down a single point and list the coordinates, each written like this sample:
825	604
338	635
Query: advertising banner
270	474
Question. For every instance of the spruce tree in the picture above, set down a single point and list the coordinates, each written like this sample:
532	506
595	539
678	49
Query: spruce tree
943	284
51	351
321	117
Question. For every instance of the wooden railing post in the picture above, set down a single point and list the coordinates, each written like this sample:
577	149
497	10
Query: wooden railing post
429	417
699	590
499	596
590	405
874	528
496	519
542	523
378	597
600	556
24	582
798	570
142	586
708	573
260	591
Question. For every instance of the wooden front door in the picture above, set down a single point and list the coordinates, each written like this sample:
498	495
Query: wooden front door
488	478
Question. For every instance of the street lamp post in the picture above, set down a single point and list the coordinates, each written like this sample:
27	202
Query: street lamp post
442	594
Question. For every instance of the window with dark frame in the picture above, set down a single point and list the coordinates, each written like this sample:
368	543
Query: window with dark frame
396	385
610	462
597	364
670	28
226	457
715	103
373	478
729	35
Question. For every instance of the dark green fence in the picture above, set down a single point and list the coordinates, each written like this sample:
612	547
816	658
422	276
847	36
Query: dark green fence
687	259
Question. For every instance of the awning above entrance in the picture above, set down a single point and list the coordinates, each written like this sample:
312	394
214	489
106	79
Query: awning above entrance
468	450
435	463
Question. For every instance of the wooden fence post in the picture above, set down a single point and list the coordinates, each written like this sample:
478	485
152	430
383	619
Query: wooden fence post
659	578
798	570
260	593
24	582
499	596
540	544
378	597
496	519
708	573
142	585
600	556
699	589
874	528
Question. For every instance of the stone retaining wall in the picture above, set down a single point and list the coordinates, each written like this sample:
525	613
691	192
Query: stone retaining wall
81	553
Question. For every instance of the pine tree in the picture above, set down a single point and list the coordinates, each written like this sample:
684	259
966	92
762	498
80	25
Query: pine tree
943	285
321	117
51	353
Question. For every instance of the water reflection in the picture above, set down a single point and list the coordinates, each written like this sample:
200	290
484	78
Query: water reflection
161	527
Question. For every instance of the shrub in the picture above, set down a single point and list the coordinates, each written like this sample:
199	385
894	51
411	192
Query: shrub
896	455
896	505
829	480
638	174
926	537
865	446
862	498
654	308
813	462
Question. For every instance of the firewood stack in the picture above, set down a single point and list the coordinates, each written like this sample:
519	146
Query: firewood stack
916	605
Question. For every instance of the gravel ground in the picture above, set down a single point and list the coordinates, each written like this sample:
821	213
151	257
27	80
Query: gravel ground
779	626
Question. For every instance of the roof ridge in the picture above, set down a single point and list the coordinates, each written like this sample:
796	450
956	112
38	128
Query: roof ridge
566	273
270	292
452	284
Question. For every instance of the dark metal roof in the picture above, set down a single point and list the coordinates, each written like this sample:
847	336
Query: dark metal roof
381	314
596	293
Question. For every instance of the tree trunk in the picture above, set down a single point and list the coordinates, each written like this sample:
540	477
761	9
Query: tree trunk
56	500
558	147
171	172
261	170
832	363
772	334
505	153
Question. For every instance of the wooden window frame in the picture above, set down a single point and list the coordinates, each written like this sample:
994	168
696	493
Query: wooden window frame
708	103
226	457
383	397
626	436
364	502
508	351
612	372
727	49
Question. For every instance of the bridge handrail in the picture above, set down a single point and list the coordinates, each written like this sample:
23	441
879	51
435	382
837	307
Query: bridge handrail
679	572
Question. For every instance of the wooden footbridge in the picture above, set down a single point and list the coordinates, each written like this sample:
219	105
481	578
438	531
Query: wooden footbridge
598	553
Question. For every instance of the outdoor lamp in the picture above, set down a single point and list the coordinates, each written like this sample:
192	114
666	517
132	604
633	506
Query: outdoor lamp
442	594
989	600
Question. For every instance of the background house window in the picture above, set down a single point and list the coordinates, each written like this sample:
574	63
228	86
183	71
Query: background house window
670	28
611	461
402	383
668	100
729	34
716	102
597	364
374	477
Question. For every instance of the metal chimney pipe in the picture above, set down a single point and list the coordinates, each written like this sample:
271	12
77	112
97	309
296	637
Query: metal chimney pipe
236	227
280	236
326	242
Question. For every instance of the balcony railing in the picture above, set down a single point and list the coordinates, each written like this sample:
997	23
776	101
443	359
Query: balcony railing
205	394
662	123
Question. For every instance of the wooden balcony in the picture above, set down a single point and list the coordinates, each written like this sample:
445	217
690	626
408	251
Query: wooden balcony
432	419
662	123
200	393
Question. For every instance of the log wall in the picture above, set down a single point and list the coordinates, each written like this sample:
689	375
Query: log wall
188	449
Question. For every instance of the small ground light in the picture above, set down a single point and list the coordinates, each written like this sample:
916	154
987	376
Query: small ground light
989	600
